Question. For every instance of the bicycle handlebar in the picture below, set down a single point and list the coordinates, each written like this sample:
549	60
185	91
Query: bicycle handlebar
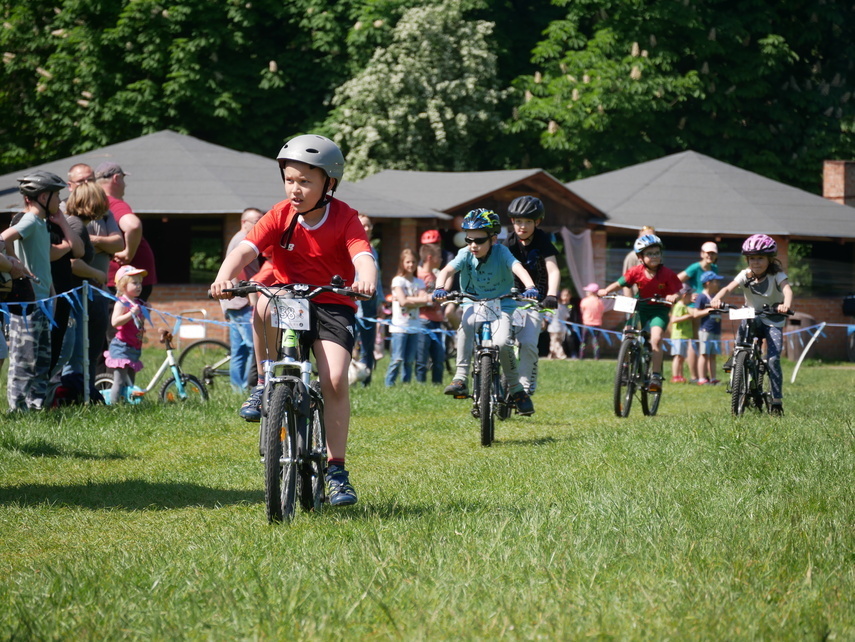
649	299
765	311
514	294
300	290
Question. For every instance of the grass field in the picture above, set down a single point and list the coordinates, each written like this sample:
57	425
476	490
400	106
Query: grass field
149	523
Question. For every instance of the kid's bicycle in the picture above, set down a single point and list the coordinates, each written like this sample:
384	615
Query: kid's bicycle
181	387
208	360
748	385
634	361
488	396
292	436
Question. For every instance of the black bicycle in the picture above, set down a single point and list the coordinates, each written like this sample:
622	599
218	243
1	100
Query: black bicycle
749	384
292	435
207	359
634	361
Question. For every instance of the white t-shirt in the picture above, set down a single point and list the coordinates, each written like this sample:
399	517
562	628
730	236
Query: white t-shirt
405	319
765	291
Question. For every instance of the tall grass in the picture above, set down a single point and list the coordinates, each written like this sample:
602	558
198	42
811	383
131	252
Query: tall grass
148	522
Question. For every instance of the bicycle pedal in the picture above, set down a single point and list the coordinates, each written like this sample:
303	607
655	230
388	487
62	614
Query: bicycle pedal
462	396
138	393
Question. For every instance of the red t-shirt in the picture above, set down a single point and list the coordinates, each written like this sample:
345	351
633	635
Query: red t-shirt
316	254
663	283
143	259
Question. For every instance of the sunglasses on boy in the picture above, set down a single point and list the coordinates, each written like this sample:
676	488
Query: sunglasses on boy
480	241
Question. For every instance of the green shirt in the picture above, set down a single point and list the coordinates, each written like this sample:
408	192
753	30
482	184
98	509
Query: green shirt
683	329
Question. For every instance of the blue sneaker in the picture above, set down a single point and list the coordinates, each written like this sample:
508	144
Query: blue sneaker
341	492
251	408
523	403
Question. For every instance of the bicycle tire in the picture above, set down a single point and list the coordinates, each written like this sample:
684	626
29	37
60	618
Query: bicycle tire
486	400
104	385
312	491
207	359
649	400
624	388
195	390
762	393
280	457
739	384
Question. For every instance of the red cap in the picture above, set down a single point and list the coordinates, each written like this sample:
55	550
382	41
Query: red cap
431	236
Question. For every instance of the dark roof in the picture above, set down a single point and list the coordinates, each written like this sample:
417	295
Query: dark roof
692	193
170	173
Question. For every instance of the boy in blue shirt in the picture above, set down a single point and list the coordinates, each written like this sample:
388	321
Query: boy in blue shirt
709	334
487	270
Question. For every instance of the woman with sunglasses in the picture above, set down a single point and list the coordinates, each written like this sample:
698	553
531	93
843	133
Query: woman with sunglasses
487	270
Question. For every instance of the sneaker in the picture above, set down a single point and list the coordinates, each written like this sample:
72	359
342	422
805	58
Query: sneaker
703	382
776	410
655	384
457	388
678	380
714	382
523	403
251	408
341	493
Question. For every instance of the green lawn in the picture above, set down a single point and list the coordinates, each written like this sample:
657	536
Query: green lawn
148	522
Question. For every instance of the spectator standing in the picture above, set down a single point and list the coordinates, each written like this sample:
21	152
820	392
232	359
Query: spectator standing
681	333
692	276
238	311
709	335
431	350
592	309
557	327
369	310
111	178
29	335
408	295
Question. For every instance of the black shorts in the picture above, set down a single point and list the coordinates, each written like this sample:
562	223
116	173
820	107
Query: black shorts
331	322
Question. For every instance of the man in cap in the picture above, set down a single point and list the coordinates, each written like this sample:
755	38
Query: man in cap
111	178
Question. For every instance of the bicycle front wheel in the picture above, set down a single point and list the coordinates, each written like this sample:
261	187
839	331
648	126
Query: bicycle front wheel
280	456
193	389
486	400
739	384
104	385
312	491
649	400
207	359
625	378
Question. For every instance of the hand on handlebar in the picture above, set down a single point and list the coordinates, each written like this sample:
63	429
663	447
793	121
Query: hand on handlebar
440	294
531	293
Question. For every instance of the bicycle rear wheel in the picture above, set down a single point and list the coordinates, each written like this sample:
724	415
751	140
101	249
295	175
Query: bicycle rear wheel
739	384
104	385
312	491
193	388
625	383
486	400
280	456
207	359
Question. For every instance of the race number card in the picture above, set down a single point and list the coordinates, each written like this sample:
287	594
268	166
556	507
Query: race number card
737	314
625	304
291	314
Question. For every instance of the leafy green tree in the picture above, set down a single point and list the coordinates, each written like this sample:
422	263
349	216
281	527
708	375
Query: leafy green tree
79	74
427	101
766	86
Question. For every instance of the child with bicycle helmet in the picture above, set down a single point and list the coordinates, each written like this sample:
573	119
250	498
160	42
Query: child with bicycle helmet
764	282
487	270
311	237
532	247
653	279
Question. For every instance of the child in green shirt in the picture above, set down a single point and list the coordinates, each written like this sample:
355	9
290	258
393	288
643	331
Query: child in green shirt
681	333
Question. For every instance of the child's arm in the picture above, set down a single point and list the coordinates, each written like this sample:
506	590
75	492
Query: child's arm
727	289
366	268
784	307
122	313
414	301
683	317
444	278
523	275
553	276
609	289
236	261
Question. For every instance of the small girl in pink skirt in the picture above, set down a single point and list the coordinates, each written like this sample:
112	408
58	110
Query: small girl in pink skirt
126	347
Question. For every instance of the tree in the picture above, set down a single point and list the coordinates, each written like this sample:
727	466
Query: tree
427	101
762	85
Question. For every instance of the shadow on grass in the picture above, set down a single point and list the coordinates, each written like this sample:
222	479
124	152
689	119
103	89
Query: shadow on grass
534	441
42	448
133	494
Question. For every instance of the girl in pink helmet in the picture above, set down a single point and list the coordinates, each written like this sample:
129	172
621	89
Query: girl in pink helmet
764	282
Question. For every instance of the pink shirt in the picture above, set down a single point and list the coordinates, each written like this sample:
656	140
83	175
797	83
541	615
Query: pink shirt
591	308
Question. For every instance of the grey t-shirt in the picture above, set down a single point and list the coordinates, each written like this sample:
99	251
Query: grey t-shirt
103	227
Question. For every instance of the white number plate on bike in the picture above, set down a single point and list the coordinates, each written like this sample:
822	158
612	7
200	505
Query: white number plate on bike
625	304
487	311
292	314
736	314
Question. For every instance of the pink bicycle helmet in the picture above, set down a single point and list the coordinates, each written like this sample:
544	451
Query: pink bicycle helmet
760	244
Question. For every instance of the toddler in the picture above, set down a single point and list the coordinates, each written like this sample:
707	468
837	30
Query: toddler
126	347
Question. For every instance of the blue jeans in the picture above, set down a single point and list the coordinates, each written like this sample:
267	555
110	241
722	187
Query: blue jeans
431	347
366	334
240	337
403	351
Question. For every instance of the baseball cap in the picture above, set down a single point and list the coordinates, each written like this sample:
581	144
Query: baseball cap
430	236
709	246
108	169
129	270
709	275
685	289
591	287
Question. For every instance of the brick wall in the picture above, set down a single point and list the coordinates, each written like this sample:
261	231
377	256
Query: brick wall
838	181
176	299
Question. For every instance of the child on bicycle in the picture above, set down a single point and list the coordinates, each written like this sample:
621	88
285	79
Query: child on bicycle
653	280
125	348
531	247
311	237
763	282
487	270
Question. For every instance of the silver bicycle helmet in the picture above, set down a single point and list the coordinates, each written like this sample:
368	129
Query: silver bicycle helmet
40	181
314	150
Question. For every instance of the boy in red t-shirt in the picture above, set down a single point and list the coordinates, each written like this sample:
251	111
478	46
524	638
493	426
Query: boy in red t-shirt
311	237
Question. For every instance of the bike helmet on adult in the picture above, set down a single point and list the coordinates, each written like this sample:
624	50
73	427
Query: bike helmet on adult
526	207
37	182
646	241
314	150
481	219
760	244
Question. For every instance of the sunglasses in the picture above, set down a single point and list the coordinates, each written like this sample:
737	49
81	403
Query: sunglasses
469	240
653	255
